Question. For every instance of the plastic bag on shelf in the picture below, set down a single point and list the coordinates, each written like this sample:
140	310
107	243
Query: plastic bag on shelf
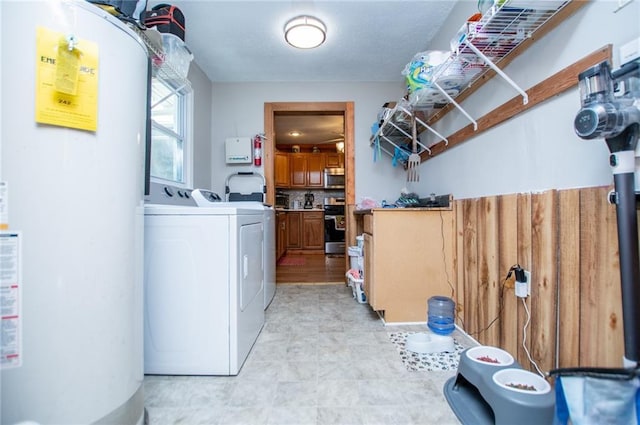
367	203
419	72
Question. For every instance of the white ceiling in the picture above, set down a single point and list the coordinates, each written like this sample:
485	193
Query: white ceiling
242	41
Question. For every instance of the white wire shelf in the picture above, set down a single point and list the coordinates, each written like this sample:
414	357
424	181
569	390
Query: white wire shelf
394	134
480	46
477	48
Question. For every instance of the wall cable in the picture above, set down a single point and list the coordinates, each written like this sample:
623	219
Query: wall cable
446	270
444	255
495	319
524	340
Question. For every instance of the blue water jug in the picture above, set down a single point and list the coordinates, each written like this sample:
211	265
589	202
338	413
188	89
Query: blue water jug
441	315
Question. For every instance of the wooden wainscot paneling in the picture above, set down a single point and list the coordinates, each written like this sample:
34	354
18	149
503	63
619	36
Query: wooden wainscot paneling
507	257
488	251
524	260
470	261
601	336
568	240
544	278
568	277
460	264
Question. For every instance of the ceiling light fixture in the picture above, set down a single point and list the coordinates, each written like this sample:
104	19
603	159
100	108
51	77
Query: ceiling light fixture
295	133
305	32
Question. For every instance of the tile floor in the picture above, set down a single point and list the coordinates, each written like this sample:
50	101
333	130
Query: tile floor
321	358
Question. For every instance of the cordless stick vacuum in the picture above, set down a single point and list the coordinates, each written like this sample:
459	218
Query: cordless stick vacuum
611	110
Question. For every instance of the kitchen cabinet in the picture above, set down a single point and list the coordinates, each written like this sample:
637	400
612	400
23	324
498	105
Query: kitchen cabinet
334	160
313	230
281	170
408	258
306	170
305	232
294	235
281	234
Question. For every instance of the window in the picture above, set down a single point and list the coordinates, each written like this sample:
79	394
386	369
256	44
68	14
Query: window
171	141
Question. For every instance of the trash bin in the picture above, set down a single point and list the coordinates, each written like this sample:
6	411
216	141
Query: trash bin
356	286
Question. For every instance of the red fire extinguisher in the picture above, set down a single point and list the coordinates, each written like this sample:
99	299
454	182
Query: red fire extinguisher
257	150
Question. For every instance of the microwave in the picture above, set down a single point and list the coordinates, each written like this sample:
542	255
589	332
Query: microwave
282	200
334	178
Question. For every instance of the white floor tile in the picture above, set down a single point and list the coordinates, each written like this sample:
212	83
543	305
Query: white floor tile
321	358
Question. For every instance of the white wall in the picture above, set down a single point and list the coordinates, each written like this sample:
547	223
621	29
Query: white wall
538	150
202	127
238	111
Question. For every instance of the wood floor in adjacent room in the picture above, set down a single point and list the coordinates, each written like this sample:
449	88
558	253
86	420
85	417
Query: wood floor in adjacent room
310	269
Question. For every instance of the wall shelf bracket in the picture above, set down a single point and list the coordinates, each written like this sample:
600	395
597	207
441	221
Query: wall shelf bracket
422	123
525	97
454	103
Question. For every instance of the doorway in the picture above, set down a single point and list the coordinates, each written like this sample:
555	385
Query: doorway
317	268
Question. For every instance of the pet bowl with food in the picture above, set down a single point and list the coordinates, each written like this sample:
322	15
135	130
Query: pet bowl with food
521	381
488	355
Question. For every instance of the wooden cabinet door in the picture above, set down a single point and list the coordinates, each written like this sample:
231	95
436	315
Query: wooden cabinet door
334	160
313	230
294	224
281	235
298	170
315	170
281	170
369	271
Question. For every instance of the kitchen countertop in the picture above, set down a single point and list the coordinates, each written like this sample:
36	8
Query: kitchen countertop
369	211
300	209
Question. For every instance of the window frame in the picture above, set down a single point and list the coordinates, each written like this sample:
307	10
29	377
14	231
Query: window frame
183	93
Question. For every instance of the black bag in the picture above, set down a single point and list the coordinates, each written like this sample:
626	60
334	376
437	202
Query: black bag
128	9
166	18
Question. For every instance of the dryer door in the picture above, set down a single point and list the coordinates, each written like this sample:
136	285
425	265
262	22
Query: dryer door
251	267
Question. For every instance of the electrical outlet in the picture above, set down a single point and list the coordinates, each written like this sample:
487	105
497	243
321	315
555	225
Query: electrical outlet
523	284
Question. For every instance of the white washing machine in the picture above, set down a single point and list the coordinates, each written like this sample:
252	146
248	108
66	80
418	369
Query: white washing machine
203	287
204	198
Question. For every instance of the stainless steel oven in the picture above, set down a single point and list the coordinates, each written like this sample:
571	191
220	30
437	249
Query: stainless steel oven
334	226
334	178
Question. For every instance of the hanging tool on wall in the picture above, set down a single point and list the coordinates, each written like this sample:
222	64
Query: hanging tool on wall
413	175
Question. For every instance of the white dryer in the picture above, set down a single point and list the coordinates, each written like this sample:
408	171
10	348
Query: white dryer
203	285
205	198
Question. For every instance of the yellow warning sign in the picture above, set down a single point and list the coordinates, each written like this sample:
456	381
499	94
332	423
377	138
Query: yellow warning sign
66	80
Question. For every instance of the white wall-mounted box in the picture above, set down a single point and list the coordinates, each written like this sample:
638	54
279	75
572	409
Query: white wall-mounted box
238	150
630	51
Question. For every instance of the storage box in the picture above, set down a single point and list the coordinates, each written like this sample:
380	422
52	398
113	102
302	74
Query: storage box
355	258
356	288
176	54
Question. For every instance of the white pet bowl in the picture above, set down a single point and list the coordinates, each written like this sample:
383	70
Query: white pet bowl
491	356
423	343
521	381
